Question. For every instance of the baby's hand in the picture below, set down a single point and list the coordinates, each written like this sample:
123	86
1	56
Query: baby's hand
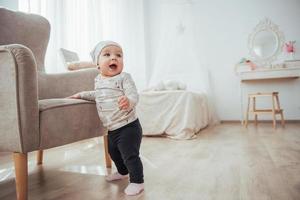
75	96
123	102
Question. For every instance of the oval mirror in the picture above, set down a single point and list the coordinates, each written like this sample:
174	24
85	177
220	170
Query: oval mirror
265	43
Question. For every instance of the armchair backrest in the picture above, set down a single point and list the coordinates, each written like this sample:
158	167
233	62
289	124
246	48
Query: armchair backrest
30	30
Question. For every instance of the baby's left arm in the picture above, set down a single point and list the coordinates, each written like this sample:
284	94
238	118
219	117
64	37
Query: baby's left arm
131	95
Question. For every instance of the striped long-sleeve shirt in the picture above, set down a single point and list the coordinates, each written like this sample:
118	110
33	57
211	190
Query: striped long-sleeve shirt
106	94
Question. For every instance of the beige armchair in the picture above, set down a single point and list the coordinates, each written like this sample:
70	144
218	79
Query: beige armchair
35	115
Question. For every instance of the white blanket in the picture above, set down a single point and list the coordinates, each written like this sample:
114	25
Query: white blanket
179	114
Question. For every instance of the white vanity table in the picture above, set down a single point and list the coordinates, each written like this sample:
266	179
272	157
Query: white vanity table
270	73
265	43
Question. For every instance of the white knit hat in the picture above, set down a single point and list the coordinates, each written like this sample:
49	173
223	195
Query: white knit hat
98	48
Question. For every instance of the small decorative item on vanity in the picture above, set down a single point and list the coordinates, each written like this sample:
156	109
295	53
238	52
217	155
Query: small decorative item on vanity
251	64
246	62
289	48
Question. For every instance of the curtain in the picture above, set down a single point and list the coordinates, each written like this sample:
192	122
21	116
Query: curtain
78	25
179	53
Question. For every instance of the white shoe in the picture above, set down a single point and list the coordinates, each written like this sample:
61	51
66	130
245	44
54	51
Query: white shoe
134	189
115	176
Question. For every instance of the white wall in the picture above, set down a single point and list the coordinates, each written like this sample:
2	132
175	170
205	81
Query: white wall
222	29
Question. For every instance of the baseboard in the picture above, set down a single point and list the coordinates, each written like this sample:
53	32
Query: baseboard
260	121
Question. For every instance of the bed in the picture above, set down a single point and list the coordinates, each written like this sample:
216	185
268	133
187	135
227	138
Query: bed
178	114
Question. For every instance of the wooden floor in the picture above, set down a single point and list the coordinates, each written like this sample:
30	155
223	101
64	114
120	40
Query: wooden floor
225	162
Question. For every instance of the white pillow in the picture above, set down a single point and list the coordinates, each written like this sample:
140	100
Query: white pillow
160	86
170	85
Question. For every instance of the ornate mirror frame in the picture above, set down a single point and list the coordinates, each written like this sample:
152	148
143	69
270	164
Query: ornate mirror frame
266	25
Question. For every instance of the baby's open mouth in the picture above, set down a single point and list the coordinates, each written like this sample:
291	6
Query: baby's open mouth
113	66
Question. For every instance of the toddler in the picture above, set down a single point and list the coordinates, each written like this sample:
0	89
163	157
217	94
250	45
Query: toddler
116	97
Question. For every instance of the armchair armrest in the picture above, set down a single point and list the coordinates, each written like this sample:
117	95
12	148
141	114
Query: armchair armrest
19	118
66	84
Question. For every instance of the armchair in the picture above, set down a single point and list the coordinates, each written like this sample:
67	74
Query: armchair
35	115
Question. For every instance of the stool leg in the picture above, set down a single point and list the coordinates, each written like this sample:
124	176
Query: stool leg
281	111
254	109
273	111
247	113
282	119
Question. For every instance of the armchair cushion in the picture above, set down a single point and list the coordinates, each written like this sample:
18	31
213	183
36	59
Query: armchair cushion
79	116
66	84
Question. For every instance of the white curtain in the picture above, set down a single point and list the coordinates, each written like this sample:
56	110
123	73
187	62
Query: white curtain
179	54
78	25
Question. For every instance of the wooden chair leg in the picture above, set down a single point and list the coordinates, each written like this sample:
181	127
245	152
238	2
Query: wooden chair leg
107	157
39	157
281	111
21	171
254	109
273	111
282	119
255	119
247	113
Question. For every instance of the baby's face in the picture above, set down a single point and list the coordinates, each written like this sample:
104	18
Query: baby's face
111	61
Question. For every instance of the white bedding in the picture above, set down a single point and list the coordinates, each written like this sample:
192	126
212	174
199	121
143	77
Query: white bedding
179	114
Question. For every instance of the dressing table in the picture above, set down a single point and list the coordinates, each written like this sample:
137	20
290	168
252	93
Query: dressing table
265	43
270	73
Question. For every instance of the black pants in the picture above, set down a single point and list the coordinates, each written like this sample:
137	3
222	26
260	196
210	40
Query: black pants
123	147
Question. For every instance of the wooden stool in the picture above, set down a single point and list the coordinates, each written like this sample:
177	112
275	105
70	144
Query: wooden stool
274	110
